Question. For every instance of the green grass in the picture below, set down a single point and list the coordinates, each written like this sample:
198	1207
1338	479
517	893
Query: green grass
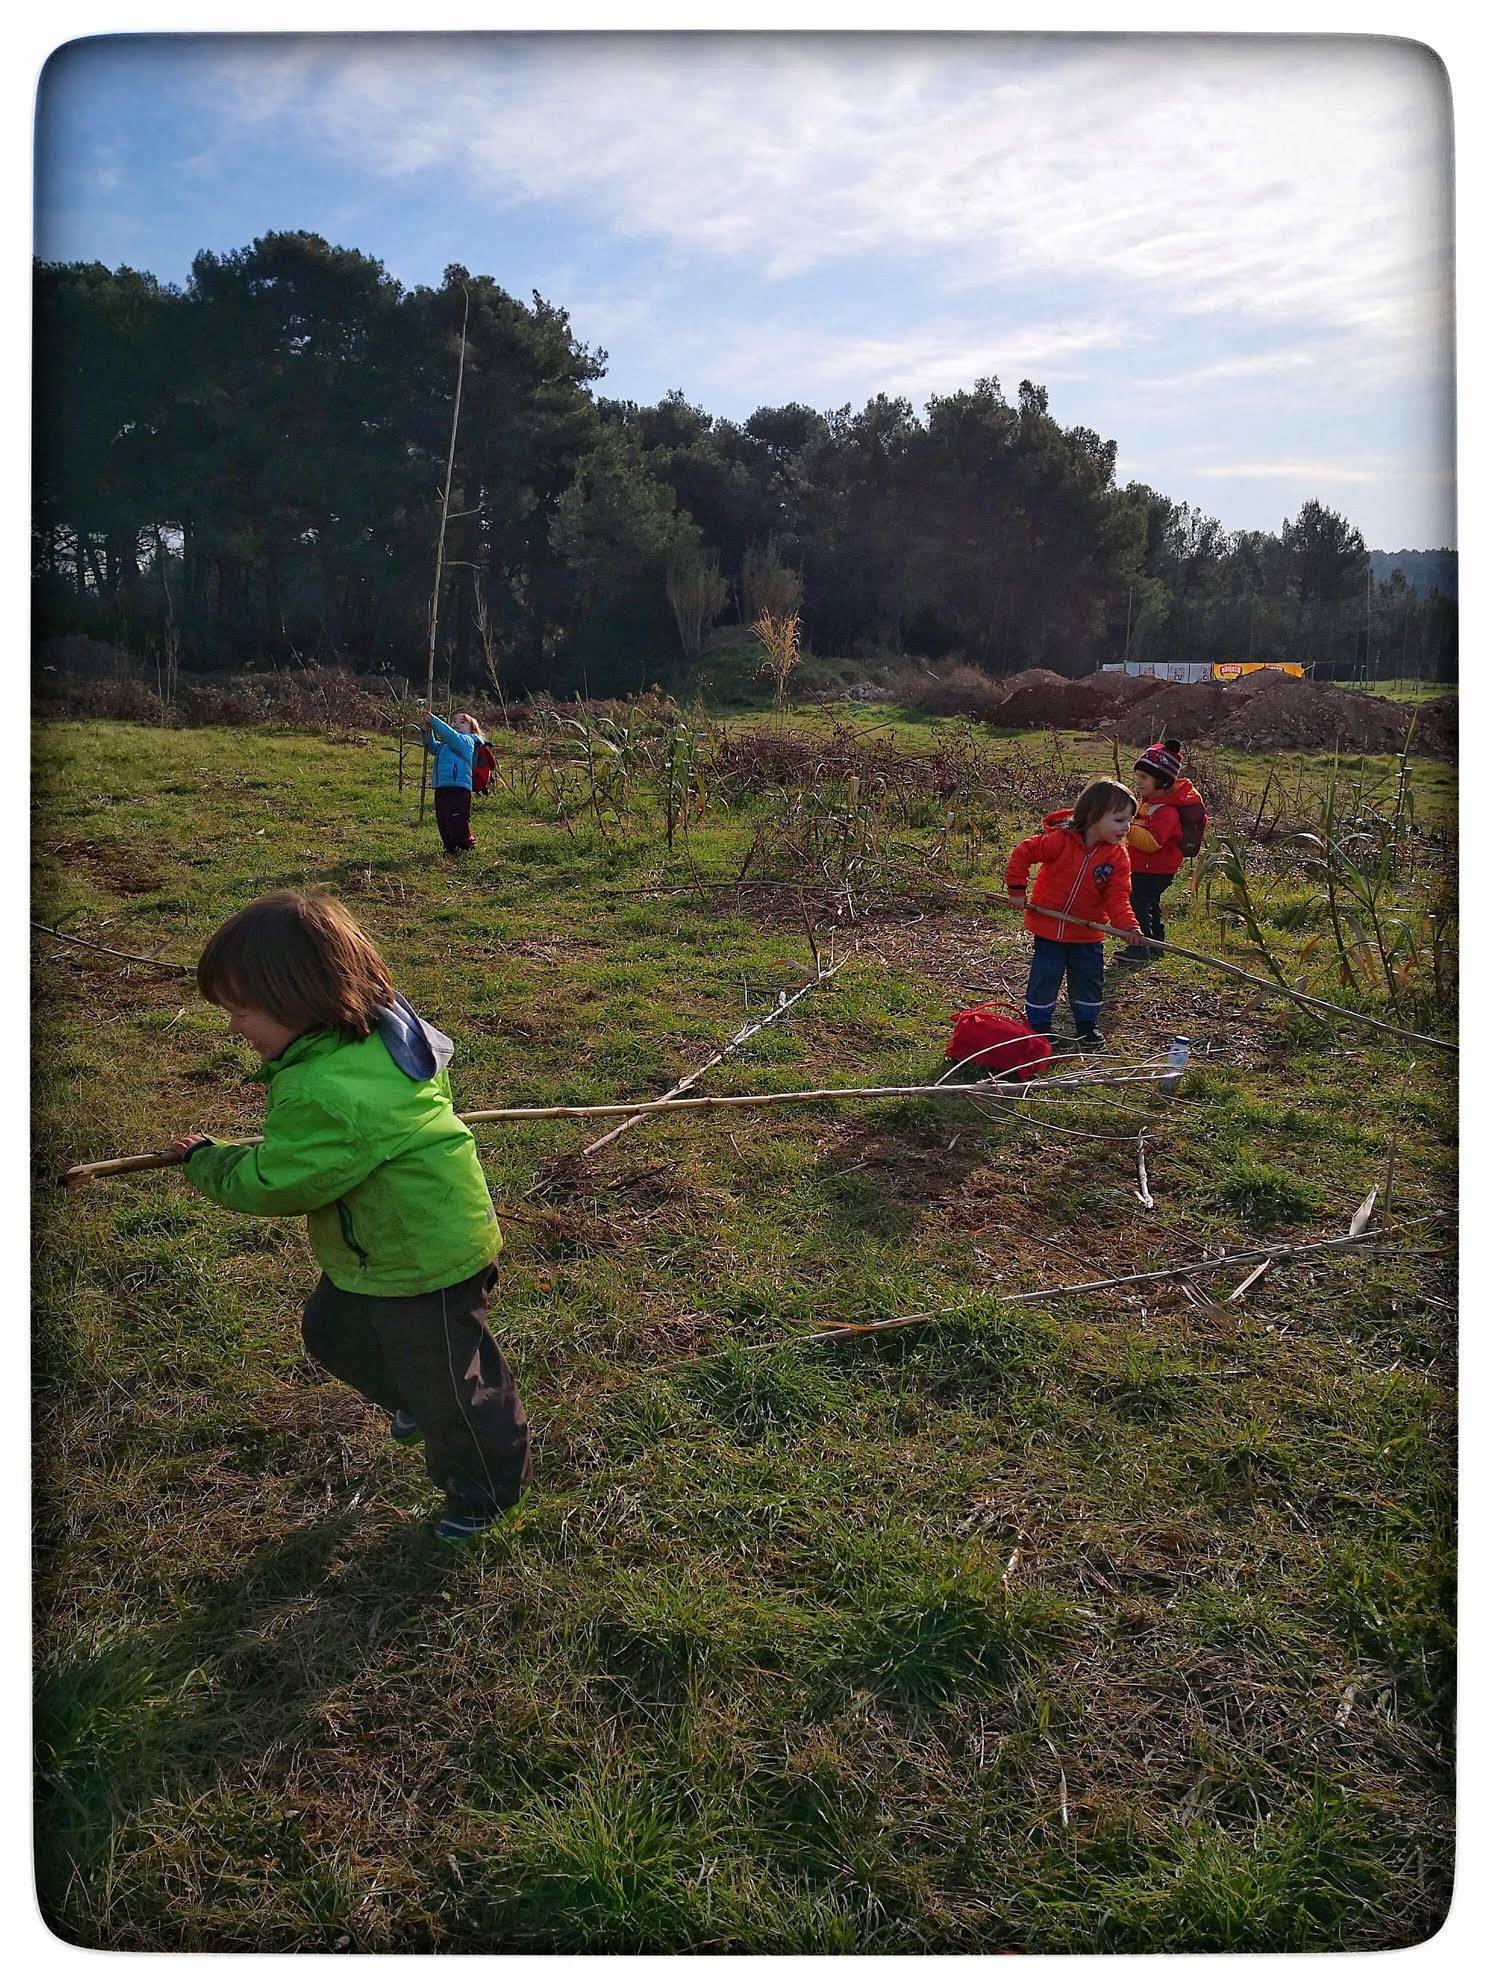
1118	1624
1404	689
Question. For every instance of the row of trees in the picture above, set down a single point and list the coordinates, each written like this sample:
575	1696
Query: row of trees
249	468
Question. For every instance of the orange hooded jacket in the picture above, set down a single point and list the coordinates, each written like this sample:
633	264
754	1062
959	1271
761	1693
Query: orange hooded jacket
1093	882
1154	841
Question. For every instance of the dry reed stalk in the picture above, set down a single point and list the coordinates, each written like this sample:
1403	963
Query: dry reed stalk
747	1032
131	957
83	1174
1239	1294
780	637
1389	1192
1144	1192
1305	999
1244	1258
444	502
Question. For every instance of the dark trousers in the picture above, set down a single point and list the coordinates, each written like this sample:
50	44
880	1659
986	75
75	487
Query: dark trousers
1083	965
1146	901
433	1356
452	817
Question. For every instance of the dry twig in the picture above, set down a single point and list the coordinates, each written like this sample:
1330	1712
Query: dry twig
747	1032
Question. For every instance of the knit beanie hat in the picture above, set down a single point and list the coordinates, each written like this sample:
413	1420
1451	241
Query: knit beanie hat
1164	761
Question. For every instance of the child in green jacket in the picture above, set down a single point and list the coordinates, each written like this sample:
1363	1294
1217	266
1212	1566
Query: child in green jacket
361	1135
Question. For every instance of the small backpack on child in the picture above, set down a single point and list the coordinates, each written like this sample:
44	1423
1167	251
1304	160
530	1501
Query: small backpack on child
482	766
1193	817
997	1039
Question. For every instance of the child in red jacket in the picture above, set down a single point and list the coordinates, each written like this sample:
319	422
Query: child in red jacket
1155	843
1084	871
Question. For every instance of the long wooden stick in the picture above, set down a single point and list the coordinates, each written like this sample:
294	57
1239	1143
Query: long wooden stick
132	957
444	502
1249	978
110	1167
789	1096
778	1011
1277	990
1244	1258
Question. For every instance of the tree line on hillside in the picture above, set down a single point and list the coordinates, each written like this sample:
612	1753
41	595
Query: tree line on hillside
248	469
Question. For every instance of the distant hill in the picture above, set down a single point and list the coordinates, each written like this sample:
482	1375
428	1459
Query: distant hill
1422	569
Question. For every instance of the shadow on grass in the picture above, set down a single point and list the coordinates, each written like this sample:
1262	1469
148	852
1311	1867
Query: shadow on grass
235	1675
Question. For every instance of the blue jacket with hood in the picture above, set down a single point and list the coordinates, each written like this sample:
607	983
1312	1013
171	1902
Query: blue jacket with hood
454	754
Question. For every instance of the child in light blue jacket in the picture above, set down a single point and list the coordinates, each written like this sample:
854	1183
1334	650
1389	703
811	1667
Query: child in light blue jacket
454	747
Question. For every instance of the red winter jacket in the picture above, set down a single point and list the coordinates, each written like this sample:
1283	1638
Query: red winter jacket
1093	882
1155	839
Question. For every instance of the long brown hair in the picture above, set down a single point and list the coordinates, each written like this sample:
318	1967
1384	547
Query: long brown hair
300	956
1101	796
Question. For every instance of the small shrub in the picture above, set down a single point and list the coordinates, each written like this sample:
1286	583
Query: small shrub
1263	1195
761	1392
956	690
924	1638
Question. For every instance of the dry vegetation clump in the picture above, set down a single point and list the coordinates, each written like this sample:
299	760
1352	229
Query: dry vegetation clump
124	698
952	689
310	698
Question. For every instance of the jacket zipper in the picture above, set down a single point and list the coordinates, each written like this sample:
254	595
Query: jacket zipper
348	1234
1089	857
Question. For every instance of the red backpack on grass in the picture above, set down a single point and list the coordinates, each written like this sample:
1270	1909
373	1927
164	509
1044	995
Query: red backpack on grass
996	1038
482	765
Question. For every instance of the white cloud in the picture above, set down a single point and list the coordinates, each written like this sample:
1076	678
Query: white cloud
1258	365
1322	474
937	359
1302	181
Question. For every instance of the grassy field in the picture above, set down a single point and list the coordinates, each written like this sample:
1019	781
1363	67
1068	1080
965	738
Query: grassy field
1404	689
1121	1623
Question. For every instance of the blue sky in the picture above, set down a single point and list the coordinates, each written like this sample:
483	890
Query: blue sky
1232	256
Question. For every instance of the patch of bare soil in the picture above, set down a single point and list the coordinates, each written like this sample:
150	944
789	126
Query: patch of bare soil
113	865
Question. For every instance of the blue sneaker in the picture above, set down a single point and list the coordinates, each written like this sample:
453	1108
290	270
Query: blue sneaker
405	1429
457	1526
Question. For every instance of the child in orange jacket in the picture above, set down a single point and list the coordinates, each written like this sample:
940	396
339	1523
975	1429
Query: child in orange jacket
1155	842
1084	871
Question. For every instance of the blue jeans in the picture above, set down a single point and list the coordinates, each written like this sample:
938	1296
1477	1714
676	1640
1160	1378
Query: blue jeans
1084	965
1146	901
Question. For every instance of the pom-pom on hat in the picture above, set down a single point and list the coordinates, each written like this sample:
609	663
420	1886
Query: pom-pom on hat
1164	761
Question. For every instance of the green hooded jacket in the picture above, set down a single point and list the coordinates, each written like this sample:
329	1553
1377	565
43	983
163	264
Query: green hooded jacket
373	1152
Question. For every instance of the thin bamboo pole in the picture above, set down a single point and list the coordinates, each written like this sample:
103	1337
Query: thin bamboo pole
1277	990
132	957
1249	978
789	1096
1244	1258
444	502
84	1174
776	1012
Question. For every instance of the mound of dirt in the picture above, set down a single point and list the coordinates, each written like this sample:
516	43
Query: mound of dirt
1033	698
1100	699
958	690
1180	709
1436	727
1287	714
